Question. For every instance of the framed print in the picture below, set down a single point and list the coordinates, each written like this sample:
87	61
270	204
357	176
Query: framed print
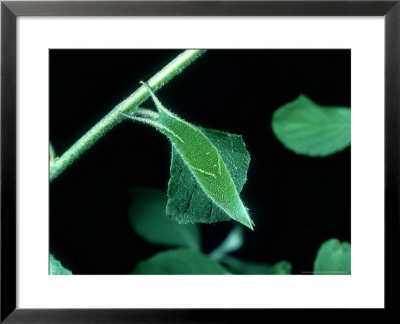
197	161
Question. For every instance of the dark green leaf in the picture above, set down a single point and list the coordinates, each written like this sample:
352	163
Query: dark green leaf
333	257
310	129
281	268
239	266
187	201
205	155
179	262
56	268
148	219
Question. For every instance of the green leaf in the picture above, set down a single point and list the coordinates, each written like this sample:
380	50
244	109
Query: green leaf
179	262
187	200
148	219
239	266
310	129
56	268
203	163
333	257
234	241
281	268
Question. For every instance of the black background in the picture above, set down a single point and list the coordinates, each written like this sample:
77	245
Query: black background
296	202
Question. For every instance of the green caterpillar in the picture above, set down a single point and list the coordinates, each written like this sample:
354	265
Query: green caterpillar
200	155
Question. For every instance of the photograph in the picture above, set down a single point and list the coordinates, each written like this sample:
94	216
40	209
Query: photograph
199	161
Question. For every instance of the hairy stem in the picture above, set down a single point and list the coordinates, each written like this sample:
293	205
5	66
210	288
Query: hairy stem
147	112
129	105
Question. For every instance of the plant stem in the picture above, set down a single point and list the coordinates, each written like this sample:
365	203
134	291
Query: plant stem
232	242
129	105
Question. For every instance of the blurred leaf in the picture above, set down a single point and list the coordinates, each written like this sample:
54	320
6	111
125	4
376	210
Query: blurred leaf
333	257
281	268
232	242
310	129
148	219
239	266
56	268
187	200
179	262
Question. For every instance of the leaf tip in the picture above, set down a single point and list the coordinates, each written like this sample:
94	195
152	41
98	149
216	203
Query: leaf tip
251	225
248	221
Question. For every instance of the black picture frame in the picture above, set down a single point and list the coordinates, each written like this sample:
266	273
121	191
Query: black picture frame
10	10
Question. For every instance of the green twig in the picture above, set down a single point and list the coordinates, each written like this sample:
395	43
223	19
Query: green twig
129	105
